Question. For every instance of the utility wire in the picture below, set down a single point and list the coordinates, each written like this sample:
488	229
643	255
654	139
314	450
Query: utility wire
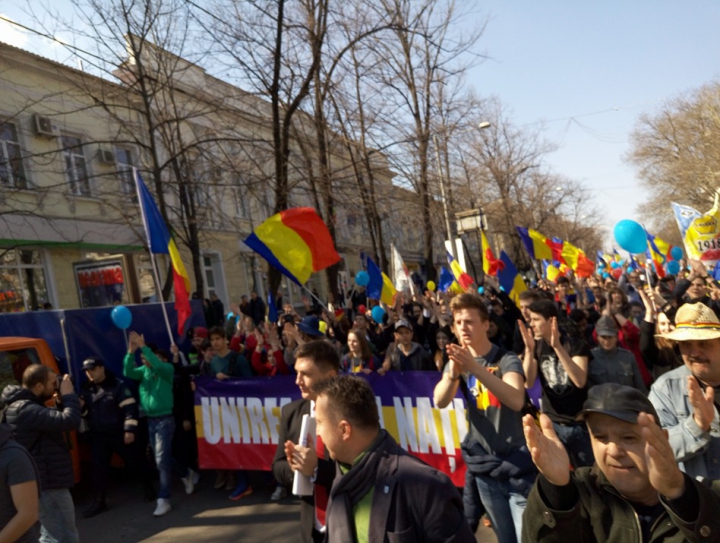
49	37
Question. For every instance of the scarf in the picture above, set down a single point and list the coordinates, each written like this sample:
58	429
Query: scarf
349	489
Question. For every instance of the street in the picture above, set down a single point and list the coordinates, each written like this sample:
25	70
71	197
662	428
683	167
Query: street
207	516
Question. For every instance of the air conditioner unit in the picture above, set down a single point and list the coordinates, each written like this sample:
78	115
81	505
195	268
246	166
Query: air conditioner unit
45	127
106	155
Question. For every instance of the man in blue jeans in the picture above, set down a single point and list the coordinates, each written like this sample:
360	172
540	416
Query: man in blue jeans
156	401
493	383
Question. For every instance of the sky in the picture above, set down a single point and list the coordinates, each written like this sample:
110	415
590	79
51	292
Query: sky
588	70
585	71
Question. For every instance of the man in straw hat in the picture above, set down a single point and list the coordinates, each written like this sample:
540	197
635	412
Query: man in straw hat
687	398
634	492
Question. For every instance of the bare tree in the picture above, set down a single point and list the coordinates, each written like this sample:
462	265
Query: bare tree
425	52
677	152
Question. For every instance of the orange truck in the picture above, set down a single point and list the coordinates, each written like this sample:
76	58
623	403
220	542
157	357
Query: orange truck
16	354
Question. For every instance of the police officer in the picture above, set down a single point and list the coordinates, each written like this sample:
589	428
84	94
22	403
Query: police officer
112	416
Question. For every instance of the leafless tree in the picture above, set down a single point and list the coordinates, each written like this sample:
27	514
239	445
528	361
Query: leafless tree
676	150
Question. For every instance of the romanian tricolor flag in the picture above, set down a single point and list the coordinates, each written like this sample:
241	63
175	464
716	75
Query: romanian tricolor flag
510	280
491	265
561	252
462	278
160	242
447	280
380	287
296	242
537	245
602	263
658	252
550	271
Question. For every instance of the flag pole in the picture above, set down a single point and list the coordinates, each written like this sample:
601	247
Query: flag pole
315	297
152	257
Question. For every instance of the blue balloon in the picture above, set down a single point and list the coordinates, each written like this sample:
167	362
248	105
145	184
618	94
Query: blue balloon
481	290
362	278
615	264
377	314
630	236
673	267
676	253
121	317
605	275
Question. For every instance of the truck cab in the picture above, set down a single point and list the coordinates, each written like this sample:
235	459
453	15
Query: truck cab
16	354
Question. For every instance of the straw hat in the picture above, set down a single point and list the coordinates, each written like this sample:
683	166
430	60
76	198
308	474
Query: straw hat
694	322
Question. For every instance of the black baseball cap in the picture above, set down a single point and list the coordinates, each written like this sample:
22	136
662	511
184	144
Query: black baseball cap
403	323
92	362
618	401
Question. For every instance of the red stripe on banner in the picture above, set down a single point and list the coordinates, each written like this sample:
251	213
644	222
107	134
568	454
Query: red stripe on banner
259	457
313	231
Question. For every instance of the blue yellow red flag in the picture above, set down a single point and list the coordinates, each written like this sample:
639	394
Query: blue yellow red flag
161	242
296	242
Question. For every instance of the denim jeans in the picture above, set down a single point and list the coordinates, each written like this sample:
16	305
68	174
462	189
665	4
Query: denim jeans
57	517
160	432
576	439
504	506
472	505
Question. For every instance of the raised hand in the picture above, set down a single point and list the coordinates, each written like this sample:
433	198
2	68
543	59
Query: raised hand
554	333
703	403
664	474
527	336
136	340
461	358
548	452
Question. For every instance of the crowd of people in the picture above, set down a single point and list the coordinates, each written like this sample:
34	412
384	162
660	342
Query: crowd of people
591	409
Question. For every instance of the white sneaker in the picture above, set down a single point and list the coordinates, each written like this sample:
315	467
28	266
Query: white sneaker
195	477
163	507
189	482
279	493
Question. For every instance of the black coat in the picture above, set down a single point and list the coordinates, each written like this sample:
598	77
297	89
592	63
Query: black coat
411	501
290	423
257	310
42	431
110	407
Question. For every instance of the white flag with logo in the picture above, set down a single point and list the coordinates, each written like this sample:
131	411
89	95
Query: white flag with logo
400	272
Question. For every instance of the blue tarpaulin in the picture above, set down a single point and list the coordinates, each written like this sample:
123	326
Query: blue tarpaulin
91	332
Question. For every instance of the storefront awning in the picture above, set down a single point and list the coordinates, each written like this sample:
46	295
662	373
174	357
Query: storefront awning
17	230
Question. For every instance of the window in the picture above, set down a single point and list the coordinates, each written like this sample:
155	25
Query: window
146	279
23	281
214	279
76	171
240	196
12	171
14	363
124	165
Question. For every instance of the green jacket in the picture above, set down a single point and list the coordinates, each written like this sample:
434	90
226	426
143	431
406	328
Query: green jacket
156	383
603	516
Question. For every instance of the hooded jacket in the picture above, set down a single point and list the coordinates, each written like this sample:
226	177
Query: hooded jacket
418	359
156	383
42	431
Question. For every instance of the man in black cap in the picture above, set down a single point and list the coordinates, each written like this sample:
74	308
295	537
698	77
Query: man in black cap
111	413
406	355
634	492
